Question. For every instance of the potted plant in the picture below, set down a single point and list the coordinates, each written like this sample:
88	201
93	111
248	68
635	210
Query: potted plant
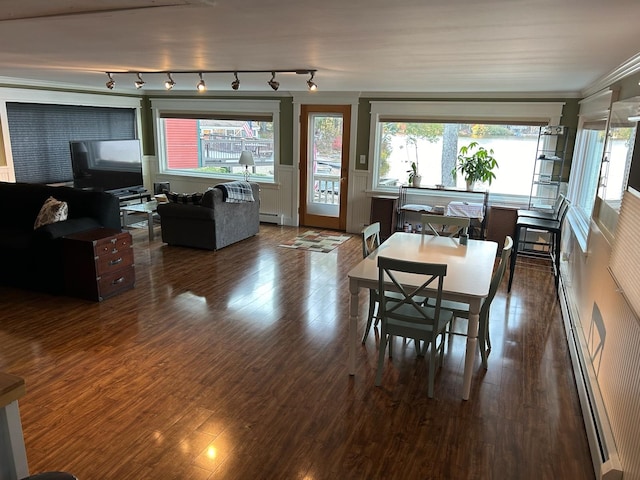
476	163
414	177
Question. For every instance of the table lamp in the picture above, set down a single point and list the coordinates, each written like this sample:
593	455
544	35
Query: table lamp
246	159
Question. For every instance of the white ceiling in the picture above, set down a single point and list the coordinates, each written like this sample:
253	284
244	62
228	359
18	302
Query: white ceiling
429	46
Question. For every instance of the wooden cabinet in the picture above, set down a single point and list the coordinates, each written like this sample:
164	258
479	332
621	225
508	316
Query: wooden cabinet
98	263
501	222
384	209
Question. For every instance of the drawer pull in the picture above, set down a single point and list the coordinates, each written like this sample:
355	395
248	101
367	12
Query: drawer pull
115	250
117	281
116	261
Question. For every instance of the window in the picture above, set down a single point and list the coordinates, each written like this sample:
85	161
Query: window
587	159
434	148
206	138
431	134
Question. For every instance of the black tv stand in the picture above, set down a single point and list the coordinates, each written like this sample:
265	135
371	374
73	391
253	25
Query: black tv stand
130	196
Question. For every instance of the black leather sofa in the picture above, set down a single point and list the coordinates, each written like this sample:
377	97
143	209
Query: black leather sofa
33	258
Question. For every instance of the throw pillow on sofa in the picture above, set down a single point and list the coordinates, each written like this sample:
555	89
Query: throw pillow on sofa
52	211
186	198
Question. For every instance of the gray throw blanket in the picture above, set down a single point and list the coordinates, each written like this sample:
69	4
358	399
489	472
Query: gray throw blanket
236	192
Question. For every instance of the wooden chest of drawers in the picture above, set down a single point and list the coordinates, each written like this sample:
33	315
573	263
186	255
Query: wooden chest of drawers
98	263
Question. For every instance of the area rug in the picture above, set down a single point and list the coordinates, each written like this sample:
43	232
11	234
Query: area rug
316	241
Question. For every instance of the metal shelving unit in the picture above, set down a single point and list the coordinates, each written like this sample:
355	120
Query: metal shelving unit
549	165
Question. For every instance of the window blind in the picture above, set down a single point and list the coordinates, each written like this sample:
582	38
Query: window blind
40	135
624	263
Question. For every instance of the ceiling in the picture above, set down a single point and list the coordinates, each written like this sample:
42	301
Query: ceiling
382	46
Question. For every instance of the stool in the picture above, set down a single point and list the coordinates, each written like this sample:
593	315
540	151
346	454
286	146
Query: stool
51	476
553	227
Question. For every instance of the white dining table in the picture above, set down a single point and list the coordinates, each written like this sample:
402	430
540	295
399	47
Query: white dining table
469	271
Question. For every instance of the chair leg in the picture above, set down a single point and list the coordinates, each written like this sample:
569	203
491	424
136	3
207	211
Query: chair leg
514	255
383	346
483	339
432	367
373	300
556	238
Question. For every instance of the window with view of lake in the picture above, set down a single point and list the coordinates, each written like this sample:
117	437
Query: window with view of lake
434	148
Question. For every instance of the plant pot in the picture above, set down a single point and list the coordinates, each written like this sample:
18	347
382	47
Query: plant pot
471	186
417	179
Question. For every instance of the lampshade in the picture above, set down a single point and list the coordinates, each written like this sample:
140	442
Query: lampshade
246	158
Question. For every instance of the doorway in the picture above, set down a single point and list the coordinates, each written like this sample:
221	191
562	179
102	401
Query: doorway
324	165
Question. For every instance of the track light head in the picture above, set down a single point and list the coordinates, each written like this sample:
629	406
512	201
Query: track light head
169	83
236	83
311	84
111	82
272	83
139	83
201	86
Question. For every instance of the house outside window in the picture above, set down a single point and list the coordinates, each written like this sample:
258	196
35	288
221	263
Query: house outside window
206	138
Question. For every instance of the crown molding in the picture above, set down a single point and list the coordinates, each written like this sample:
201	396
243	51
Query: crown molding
624	70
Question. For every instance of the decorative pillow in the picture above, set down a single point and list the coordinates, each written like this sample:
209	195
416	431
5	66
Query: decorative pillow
52	211
186	198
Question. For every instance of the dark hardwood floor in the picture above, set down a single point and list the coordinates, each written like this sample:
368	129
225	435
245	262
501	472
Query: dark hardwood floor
233	365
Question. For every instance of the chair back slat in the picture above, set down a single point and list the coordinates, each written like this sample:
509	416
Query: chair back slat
370	238
428	221
388	269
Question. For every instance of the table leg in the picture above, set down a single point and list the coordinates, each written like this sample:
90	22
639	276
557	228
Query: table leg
150	225
13	459
472	344
353	325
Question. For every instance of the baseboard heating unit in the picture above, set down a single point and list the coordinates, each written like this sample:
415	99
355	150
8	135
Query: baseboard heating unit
276	218
606	463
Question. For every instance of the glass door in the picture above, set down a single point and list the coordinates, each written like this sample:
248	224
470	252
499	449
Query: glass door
324	165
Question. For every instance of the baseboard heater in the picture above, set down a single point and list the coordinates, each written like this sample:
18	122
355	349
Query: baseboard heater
276	218
606	463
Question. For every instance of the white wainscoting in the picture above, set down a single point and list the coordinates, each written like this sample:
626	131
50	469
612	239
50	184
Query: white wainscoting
604	334
359	212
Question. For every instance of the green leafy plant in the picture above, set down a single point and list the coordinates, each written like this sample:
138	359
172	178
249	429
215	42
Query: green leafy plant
476	164
413	172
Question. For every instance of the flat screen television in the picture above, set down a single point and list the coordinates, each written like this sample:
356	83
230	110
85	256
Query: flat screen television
113	166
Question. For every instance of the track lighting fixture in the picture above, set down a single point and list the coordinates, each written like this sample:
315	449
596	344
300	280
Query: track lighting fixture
236	83
111	82
201	86
139	82
311	84
272	83
169	83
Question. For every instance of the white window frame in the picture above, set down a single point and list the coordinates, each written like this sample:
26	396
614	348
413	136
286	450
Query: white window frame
163	106
597	107
549	113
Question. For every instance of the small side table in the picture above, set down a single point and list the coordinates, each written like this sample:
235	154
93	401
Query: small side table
384	209
98	263
147	207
